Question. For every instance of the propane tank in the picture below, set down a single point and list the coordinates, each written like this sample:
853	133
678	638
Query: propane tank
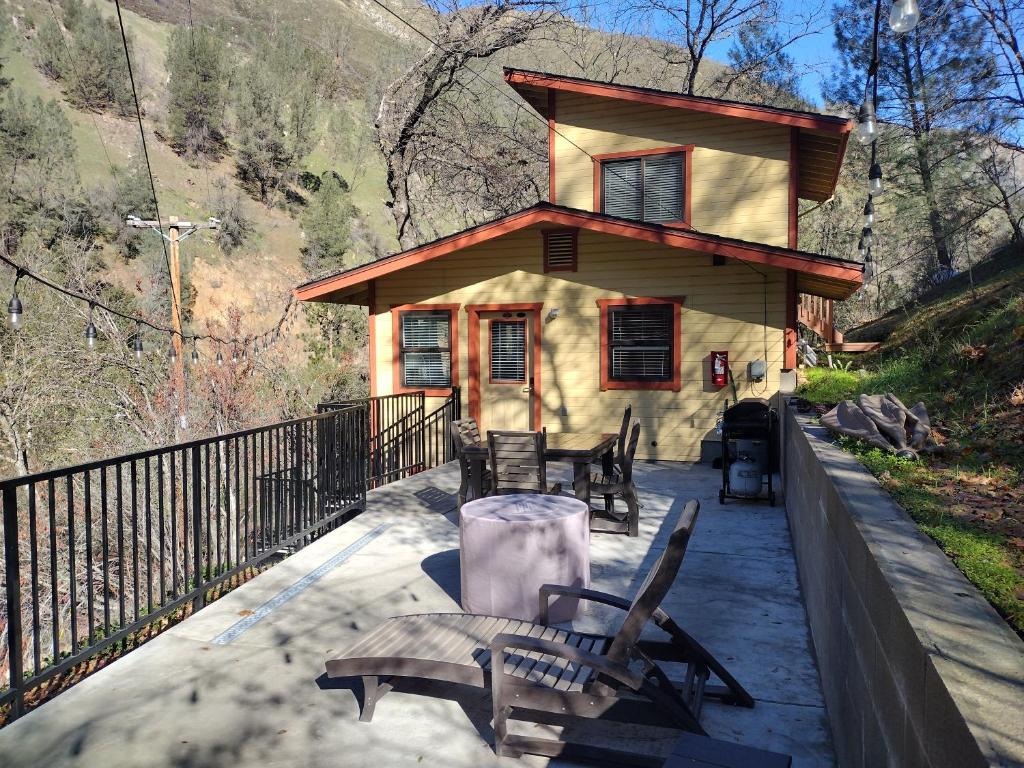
745	476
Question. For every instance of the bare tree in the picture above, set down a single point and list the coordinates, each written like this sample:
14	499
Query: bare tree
604	41
1005	20
461	35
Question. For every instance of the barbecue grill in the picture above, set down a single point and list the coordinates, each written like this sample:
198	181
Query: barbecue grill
749	419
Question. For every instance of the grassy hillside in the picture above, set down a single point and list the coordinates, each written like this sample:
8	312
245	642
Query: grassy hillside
961	352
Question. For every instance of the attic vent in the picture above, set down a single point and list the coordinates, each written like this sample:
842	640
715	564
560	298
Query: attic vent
560	250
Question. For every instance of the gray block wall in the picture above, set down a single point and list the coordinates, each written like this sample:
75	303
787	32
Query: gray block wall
917	668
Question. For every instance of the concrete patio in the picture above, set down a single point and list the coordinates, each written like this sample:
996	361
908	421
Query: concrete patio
241	682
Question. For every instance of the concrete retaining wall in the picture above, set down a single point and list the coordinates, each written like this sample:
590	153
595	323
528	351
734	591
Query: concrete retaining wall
917	668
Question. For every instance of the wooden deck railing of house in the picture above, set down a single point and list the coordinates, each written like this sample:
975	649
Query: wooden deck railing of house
817	314
97	552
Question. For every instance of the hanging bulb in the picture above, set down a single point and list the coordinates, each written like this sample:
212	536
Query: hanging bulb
195	353
875	187
869	269
904	16
15	310
862	248
234	353
869	213
867	238
172	353
867	126
220	357
137	344
90	331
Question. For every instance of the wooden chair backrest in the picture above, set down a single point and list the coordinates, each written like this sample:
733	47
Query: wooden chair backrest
629	453
466	431
654	588
620	446
517	462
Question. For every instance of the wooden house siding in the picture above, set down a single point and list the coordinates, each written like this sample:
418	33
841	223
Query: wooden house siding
723	308
740	175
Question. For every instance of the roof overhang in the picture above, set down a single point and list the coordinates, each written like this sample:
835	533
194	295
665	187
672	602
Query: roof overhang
816	275
820	139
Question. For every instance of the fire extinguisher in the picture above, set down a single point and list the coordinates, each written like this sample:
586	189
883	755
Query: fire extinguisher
719	369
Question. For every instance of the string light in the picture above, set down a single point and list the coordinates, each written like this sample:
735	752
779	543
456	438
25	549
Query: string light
172	353
14	307
90	329
220	356
869	213
904	16
875	186
195	353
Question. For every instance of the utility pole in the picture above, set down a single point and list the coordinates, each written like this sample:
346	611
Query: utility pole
177	231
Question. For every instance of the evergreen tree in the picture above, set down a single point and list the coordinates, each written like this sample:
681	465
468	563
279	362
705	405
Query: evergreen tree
929	83
326	225
99	76
264	159
51	55
196	91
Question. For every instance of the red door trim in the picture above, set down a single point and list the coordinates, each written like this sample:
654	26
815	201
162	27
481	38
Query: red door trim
371	291
396	362
789	349
473	329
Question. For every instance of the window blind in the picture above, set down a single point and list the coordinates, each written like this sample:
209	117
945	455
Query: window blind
649	188
640	342
425	349
508	351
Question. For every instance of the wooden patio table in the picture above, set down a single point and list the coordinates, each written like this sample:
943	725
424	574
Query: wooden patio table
581	448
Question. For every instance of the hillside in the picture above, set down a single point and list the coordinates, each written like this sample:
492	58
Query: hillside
960	351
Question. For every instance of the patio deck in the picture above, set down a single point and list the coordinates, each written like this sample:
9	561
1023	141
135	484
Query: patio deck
240	683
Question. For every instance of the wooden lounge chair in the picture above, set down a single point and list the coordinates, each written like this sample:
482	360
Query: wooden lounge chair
623	487
466	432
518	464
546	669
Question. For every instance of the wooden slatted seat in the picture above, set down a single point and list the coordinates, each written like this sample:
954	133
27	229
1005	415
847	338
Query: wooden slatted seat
460	650
548	669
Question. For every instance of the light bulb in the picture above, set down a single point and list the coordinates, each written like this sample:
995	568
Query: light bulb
862	249
14	311
90	335
867	126
875	187
869	270
869	213
195	353
172	353
904	16
138	347
867	238
220	358
234	354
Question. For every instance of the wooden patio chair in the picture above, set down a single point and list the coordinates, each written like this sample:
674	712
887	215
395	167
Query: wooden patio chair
623	487
612	473
546	669
466	432
517	463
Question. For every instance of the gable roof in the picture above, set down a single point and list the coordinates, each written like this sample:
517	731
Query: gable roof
820	140
817	275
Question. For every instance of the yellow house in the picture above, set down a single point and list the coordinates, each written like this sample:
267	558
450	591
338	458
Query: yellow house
670	234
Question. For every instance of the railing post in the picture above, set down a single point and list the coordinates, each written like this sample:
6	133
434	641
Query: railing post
13	575
197	529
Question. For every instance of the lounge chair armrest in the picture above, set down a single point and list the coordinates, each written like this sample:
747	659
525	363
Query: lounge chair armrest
593	595
601	664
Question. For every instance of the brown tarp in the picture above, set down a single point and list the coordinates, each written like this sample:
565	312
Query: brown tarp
882	421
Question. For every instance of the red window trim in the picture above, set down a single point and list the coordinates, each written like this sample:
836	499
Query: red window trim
490	376
574	231
687	152
396	348
673	385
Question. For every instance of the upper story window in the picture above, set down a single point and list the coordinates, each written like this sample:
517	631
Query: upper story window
425	349
646	186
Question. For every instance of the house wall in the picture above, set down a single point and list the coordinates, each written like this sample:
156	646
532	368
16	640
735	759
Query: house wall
740	168
724	308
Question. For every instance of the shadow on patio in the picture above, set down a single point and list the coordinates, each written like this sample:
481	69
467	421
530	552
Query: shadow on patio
242	683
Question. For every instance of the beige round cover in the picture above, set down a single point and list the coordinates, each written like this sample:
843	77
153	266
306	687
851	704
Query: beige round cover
511	545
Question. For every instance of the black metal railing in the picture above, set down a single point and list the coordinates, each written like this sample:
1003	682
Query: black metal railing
403	439
96	552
